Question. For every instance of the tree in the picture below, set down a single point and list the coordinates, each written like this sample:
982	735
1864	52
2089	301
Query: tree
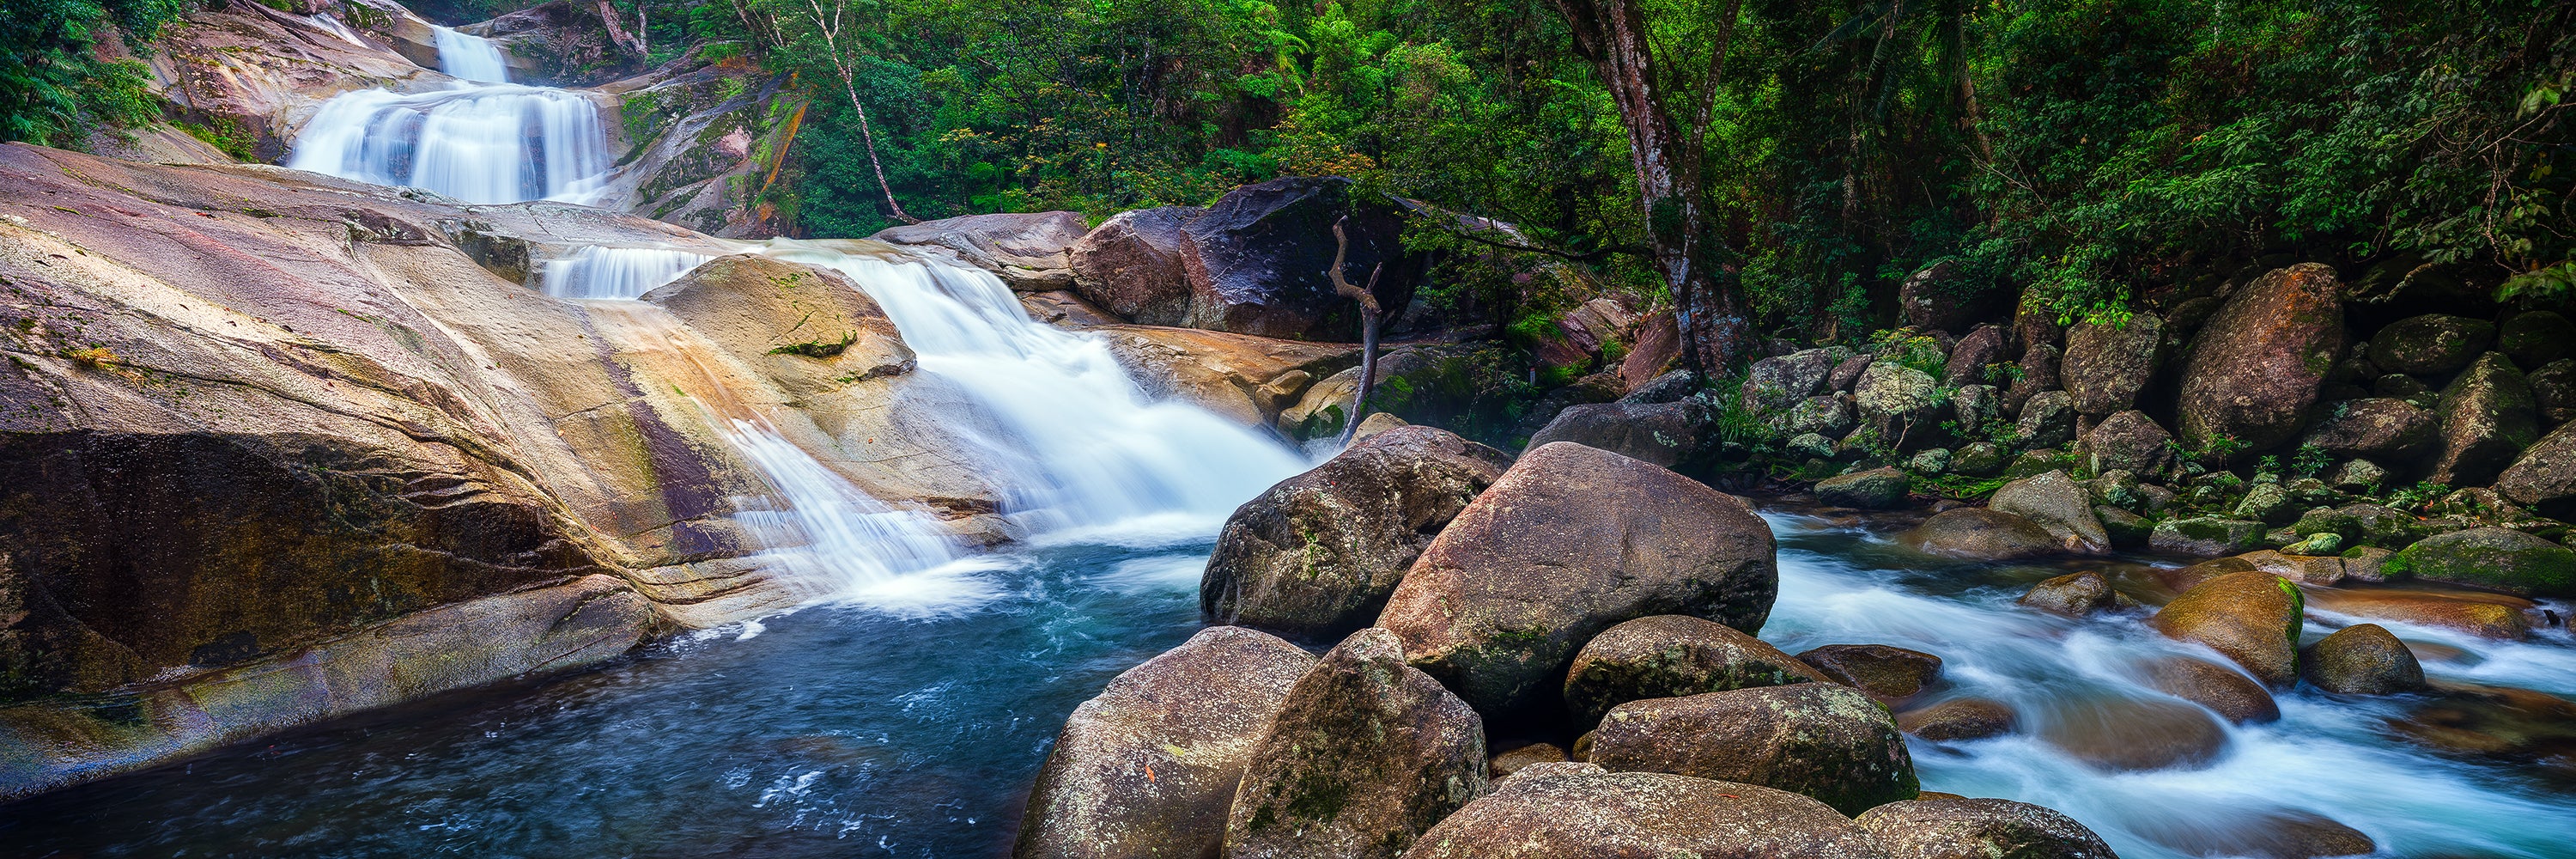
1671	163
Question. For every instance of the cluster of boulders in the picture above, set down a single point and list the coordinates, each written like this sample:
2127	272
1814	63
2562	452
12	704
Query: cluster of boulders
2286	434
1571	593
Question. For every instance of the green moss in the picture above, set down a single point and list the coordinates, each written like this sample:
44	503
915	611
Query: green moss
817	348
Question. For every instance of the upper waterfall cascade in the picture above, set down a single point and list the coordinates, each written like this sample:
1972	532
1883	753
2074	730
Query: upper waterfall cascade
489	141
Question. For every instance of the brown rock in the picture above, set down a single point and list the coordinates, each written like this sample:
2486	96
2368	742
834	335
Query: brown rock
1194	715
1983	346
2235	697
2553	389
1665	434
1318	553
1028	250
1818	739
2363	659
1365	755
2487	615
2275	835
1658	346
2256	367
1959	719
2073	595
1552	811
2059	505
2488	418
1131	265
2376	427
2143	734
2545	473
1671	656
1886	673
1513	759
1983	534
2125	441
2251	617
2107	365
2320	570
1979	829
2430	345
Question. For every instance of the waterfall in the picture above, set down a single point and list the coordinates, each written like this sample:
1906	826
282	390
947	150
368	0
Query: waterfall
335	28
598	271
487	144
472	58
846	545
1066	435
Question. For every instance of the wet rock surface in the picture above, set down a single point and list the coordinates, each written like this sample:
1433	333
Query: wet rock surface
1567	809
1979	829
1822	740
1671	656
2252	617
1365	754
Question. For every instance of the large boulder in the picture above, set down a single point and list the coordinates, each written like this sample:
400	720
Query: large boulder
1775	383
2488	417
2256	367
2252	617
2553	390
1943	296
1819	739
1131	265
1889	674
1961	828
2381	427
1981	348
1256	259
1871	489
2429	345
1982	534
2047	420
2498	558
1666	434
2126	441
2204	536
2535	338
1570	542
1959	719
2545	474
2362	659
1030	251
2059	505
2108	363
1555	810
1671	656
2121	735
1365	754
1193	716
2080	594
1318	553
1895	399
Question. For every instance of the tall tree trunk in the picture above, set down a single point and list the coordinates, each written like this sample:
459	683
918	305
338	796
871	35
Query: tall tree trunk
1370	313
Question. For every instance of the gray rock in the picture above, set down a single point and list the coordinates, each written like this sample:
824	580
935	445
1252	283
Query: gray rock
1774	384
1572	541
1975	406
2107	365
2546	473
1819	739
1365	755
1978	459
1671	656
2128	530
1828	416
1984	345
1983	534
1809	444
1194	715
1558	810
2266	502
1979	829
2357	476
1847	373
1894	399
1318	553
1876	488
2488	417
1666	434
2047	420
2430	345
2038	373
2535	338
2055	502
1667	388
1929	461
2553	390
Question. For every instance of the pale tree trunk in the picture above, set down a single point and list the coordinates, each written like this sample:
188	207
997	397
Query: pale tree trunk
828	25
1369	315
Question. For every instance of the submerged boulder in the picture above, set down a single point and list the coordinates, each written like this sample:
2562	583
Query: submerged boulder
1318	553
2120	735
1256	259
1365	754
1556	810
1979	829
2252	617
1886	673
1193	717
2073	595
2256	366
1819	739
1670	656
1570	542
1960	719
1981	533
2234	696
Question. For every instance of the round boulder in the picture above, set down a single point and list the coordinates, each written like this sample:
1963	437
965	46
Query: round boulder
1979	829
2498	558
1570	542
1193	716
1959	719
2257	365
1365	755
2488	417
1671	656
2125	735
1886	673
2363	659
2058	504
2537	337
1819	739
2544	474
1131	265
1981	533
2252	617
1318	553
2107	364
2073	595
2430	345
2125	441
1549	811
1666	434
1869	490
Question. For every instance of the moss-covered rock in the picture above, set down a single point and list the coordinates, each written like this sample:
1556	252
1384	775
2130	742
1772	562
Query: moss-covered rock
2252	617
2073	595
1872	489
2205	535
2362	659
1979	533
2488	417
2431	344
1819	739
1365	754
1670	656
2498	558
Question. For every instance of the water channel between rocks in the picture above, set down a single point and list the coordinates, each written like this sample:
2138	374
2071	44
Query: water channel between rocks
845	731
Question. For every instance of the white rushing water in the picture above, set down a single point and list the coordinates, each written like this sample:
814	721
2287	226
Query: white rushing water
472	58
1067	435
2330	758
335	28
849	546
599	271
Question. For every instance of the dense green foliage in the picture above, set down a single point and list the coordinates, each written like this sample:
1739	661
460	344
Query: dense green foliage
54	83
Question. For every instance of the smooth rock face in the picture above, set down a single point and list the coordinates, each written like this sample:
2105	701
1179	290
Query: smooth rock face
2126	441
2362	659
1318	553
2252	617
1819	739
2057	504
1671	656
2107	365
1365	754
1874	489
2234	696
2256	366
1570	542
1558	810
2072	595
1666	434
1193	715
1979	829
2273	835
2546	473
2499	558
1981	533
1131	265
2430	345
1959	719
1256	260
2488	417
1886	673
2376	427
1030	251
2140	734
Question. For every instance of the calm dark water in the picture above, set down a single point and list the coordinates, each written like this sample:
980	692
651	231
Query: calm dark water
830	732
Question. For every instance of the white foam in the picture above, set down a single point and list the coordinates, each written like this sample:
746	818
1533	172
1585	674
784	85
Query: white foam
471	58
